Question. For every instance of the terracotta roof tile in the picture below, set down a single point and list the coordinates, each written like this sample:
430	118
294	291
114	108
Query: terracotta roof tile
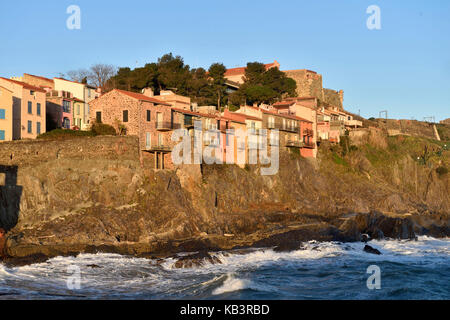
25	85
142	97
241	70
39	77
194	113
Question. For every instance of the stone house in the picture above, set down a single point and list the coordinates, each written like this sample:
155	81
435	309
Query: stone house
142	116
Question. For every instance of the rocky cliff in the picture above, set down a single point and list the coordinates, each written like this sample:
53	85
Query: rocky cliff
95	194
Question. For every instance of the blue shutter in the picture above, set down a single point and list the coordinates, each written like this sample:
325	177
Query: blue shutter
2	113
2	135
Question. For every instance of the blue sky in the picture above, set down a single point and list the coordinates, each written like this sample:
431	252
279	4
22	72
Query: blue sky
404	67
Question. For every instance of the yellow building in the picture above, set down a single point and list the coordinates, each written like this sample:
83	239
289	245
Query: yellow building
6	115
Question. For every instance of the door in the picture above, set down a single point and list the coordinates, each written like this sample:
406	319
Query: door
148	141
159	118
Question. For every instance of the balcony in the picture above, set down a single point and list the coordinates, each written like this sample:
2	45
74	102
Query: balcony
353	123
309	145
336	123
164	126
188	123
294	144
159	148
309	132
286	128
257	131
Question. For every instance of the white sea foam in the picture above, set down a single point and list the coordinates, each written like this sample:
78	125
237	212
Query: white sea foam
232	284
131	277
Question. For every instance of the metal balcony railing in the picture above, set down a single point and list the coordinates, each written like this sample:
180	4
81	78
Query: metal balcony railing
188	122
294	144
309	145
166	126
282	127
159	148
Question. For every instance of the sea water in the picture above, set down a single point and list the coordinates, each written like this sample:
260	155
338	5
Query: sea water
320	270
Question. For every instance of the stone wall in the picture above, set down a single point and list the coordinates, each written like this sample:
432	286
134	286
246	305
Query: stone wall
309	83
34	152
333	97
407	127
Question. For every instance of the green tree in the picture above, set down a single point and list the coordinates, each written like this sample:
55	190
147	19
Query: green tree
218	87
173	74
263	86
199	86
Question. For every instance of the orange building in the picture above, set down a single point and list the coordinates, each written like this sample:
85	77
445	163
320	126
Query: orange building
29	109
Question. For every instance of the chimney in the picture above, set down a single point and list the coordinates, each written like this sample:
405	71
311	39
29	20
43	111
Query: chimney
148	92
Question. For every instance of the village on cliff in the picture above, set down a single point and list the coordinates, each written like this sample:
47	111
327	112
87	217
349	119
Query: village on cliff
314	115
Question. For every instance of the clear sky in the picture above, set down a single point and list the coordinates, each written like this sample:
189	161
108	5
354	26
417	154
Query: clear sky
404	67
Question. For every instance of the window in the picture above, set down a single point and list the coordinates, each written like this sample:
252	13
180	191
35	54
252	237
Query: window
2	114
38	128
98	117
2	135
78	109
38	109
125	115
66	106
32	92
30	127
30	107
149	116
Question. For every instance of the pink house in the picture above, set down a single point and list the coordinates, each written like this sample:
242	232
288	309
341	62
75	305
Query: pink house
60	106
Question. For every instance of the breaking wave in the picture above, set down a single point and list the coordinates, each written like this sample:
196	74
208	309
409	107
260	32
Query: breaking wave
327	270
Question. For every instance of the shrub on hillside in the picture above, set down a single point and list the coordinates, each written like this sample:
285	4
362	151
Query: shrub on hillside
64	134
101	129
441	170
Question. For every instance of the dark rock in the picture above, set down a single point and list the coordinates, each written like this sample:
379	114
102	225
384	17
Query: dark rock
25	261
378	226
94	266
371	250
196	260
288	247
